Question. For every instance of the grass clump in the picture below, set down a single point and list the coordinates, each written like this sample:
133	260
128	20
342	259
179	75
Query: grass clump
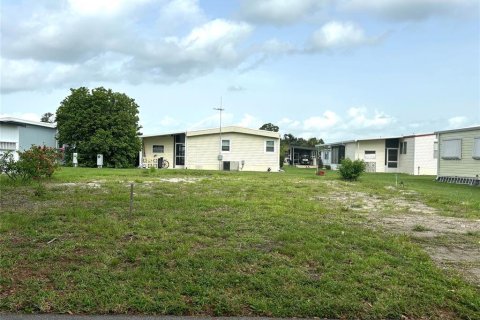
420	228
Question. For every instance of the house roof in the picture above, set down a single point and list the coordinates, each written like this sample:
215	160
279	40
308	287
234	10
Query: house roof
22	122
227	129
339	143
459	129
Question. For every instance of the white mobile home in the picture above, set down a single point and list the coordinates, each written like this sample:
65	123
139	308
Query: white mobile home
234	148
408	154
19	135
459	155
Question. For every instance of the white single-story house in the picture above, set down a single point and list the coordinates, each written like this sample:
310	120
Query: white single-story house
19	135
232	149
414	154
459	160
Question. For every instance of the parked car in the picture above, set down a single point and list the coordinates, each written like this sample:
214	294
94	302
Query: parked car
305	160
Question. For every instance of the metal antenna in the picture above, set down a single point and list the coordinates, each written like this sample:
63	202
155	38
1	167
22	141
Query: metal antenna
220	144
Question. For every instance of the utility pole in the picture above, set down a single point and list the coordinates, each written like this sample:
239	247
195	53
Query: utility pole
220	158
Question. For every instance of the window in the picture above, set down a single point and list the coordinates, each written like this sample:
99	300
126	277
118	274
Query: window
435	150
476	148
403	147
326	154
158	148
7	145
452	149
225	145
370	155
269	146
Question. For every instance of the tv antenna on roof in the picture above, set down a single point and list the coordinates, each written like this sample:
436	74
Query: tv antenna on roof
220	109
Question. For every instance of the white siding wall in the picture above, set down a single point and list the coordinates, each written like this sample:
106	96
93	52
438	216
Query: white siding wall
406	162
424	163
166	141
466	166
9	133
373	145
351	151
202	152
326	162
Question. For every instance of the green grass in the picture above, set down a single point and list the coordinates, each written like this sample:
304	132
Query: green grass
227	244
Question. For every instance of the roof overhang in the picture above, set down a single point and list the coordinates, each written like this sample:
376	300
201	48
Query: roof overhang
23	122
459	130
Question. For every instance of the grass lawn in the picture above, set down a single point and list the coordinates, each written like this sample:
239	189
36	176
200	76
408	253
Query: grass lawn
225	243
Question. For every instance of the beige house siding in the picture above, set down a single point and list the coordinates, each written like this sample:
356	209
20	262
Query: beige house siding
373	145
406	162
351	151
466	166
202	151
425	163
166	140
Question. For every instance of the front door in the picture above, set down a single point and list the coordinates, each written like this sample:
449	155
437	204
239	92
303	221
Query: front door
179	154
392	159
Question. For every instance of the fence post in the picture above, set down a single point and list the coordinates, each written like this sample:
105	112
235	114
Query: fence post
131	197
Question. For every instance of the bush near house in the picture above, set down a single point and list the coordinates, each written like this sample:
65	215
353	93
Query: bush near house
351	170
35	163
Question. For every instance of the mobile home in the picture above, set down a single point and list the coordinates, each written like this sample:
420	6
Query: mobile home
406	154
19	135
459	155
232	148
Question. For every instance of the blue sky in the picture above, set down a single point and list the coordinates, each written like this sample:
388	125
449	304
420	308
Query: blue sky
330	69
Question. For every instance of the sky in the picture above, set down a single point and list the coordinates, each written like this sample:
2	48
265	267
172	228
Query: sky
336	70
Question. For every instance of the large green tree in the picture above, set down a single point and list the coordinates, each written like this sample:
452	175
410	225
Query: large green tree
99	121
269	127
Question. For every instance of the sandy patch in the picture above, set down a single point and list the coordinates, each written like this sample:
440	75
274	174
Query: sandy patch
397	214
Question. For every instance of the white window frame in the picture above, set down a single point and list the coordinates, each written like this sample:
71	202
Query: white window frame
158	145
476	148
435	150
370	155
229	145
451	155
403	147
267	146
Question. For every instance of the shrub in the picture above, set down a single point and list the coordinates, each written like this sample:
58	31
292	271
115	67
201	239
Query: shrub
351	170
35	163
282	160
9	166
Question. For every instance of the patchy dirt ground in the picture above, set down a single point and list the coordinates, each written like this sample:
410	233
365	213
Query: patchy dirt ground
450	242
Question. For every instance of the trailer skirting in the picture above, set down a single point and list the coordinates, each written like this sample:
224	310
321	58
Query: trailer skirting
472	181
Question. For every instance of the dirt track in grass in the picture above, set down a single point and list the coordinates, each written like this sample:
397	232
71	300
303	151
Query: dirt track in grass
450	242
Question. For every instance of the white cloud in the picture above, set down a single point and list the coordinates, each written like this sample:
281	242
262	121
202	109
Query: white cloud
236	88
358	118
287	123
457	122
338	36
326	121
250	121
168	121
212	121
279	12
405	10
106	41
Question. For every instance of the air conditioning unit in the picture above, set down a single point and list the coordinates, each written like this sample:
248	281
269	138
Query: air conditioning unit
231	165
